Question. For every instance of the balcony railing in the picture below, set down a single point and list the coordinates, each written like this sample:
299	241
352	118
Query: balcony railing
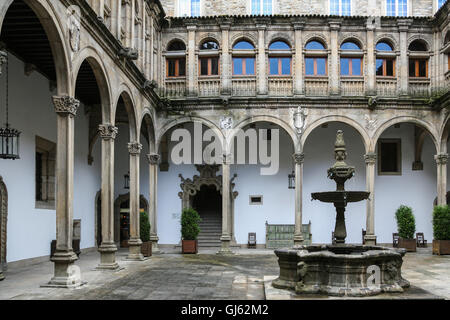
419	87
174	88
386	87
208	87
245	86
280	86
352	86
316	86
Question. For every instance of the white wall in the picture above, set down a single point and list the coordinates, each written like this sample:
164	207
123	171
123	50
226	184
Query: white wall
31	230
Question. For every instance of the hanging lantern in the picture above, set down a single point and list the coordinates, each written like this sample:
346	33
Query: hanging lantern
127	180
291	180
9	137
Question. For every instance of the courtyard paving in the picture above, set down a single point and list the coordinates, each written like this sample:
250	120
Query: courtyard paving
196	277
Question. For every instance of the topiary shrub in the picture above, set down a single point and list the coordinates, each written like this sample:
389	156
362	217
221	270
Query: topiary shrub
406	224
145	227
441	223
189	224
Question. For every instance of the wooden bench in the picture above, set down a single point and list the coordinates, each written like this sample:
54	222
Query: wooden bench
282	235
421	242
251	240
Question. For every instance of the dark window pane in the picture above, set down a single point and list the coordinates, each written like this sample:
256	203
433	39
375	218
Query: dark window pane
383	46
273	66
209	45
38	176
309	66
417	46
243	45
286	66
345	66
204	67
321	66
237	65
412	68
349	46
379	67
356	67
422	68
279	45
176	46
314	45
182	67
250	66
390	68
214	66
171	67
389	157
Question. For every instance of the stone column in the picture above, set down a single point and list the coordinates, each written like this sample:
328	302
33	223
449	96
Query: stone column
371	80
226	214
153	159
192	70
107	248
298	159
403	26
135	242
262	70
370	237
298	63
441	161
334	66
64	257
226	60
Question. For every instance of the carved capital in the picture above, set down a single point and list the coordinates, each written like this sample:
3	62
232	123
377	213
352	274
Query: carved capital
107	131
3	59
134	148
227	158
298	158
370	158
153	158
66	105
441	158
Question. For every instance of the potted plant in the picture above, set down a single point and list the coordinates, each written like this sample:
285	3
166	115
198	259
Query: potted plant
146	248
189	230
441	230
406	226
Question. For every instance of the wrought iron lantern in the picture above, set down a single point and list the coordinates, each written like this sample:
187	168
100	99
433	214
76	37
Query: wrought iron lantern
126	180
291	180
9	137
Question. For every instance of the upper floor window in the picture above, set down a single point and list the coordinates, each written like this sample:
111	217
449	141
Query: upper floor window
188	8
279	59
385	62
340	7
418	59
262	7
440	3
176	59
397	8
244	58
209	59
351	59
315	59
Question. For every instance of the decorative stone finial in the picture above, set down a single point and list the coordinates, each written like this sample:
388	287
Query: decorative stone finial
340	151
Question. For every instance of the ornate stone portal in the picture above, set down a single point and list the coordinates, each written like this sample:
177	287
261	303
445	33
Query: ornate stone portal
341	269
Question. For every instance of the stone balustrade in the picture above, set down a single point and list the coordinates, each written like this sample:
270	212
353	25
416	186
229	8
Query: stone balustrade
280	86
209	87
174	88
316	86
386	86
244	86
352	86
419	87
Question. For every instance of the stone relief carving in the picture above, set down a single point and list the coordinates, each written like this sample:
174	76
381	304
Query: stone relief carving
107	131
226	123
299	120
128	53
153	158
66	105
134	148
74	30
371	123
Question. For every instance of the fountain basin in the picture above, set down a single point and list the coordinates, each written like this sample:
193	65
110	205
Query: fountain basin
341	270
340	196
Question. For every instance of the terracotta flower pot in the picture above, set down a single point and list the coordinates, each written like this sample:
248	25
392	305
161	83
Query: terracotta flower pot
441	247
189	246
408	244
146	249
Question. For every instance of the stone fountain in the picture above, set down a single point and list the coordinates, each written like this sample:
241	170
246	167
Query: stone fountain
340	269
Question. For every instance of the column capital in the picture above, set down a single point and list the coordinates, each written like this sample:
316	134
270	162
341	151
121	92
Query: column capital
108	131
441	158
3	59
66	105
298	157
227	158
153	158
134	148
370	158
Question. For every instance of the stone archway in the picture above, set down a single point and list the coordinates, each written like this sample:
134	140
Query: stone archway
3	224
208	177
122	201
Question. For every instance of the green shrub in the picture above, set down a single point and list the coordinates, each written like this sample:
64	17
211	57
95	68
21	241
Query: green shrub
406	223
189	224
144	226
441	223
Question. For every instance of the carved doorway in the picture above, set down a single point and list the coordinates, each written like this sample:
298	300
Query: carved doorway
208	203
3	223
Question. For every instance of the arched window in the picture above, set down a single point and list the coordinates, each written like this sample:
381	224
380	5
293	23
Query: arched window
385	62
315	59
351	59
176	59
418	59
280	59
243	58
262	7
209	58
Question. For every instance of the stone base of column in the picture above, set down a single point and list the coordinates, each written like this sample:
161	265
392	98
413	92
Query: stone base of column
225	249
66	274
134	253
370	239
108	257
298	240
155	248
